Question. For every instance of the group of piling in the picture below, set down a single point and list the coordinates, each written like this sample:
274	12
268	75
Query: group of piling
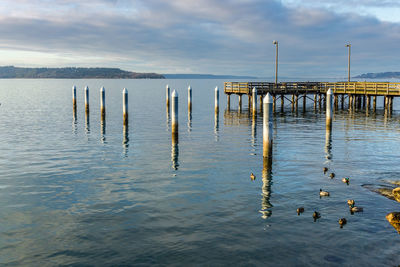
102	103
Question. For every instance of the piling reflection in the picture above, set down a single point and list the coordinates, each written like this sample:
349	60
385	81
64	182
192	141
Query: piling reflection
328	144
125	139
266	187
168	120
236	117
74	124
175	151
254	130
103	131
216	126
189	123
87	123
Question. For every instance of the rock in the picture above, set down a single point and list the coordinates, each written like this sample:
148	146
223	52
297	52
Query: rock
396	193
394	219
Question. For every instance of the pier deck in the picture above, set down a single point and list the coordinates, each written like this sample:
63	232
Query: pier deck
354	88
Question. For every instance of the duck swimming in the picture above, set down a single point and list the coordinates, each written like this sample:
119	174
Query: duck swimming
325	169
355	209
300	210
332	175
350	202
342	222
316	215
346	180
252	176
323	193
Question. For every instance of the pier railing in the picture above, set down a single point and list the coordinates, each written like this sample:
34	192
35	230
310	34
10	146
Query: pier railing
357	88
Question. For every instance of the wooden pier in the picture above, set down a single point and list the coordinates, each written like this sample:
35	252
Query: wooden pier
358	94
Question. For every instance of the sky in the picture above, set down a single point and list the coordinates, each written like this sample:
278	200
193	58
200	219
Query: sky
232	37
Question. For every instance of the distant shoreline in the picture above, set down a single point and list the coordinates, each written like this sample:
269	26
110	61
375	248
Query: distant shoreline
11	72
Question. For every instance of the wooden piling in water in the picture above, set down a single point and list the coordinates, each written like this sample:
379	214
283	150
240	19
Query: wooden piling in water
189	99
304	102
329	109
368	104
296	102
267	125
167	95
254	92
319	100
282	102
216	100
342	102
315	102
125	106
228	101
292	102
86	99
74	98
273	104
374	103
102	103
174	112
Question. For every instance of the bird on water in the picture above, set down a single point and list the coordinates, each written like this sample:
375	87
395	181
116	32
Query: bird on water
300	210
342	222
325	169
316	215
332	175
252	176
323	193
346	180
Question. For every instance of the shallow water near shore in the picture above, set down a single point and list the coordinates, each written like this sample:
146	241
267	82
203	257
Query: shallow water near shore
79	192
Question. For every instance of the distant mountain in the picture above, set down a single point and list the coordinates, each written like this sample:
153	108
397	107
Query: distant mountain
379	75
74	73
205	76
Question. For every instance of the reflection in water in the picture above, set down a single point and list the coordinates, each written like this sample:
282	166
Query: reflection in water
266	188
74	123
254	130
125	139
189	124
216	126
103	131
328	144
235	117
87	123
175	151
168	118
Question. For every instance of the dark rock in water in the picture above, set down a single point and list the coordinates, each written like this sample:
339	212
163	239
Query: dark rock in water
384	190
396	193
394	219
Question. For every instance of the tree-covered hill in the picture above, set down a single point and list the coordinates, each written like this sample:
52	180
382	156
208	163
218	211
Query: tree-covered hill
74	73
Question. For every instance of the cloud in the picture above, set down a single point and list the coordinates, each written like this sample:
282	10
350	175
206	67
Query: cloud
232	37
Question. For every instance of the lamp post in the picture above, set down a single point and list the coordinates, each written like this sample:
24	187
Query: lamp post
276	61
349	46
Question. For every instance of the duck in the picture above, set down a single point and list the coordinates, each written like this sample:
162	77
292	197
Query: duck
316	215
356	209
350	202
252	176
323	193
342	222
300	210
325	169
346	180
332	175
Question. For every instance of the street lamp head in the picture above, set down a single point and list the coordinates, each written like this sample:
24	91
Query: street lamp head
275	42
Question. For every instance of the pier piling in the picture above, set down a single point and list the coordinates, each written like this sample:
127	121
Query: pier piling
174	112
267	125
167	95
189	99
86	99
74	98
125	106
254	101
216	99
329	109
102	103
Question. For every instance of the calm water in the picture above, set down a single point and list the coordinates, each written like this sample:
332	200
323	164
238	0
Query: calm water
75	192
